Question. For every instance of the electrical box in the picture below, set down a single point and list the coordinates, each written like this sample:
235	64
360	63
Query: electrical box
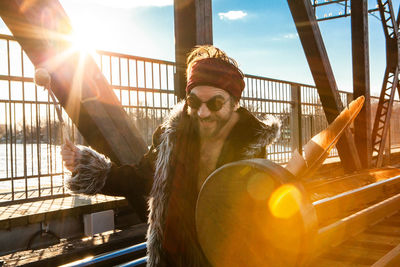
98	222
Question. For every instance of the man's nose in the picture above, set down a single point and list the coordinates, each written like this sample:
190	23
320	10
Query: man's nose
203	111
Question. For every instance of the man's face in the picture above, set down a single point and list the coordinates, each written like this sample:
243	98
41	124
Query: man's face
210	122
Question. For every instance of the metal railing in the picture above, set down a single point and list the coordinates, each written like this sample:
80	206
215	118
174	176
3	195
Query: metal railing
144	86
30	134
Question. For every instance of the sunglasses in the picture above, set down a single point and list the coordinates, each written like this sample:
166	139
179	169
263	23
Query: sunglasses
214	104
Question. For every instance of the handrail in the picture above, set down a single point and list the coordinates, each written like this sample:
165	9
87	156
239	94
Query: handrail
134	262
355	200
111	255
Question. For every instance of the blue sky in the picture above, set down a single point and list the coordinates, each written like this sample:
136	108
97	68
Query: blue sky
260	35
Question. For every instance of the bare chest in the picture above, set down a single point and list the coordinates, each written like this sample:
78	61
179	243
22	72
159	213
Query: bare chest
209	154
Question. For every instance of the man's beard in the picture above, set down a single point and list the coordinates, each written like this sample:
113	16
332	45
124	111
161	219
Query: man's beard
205	132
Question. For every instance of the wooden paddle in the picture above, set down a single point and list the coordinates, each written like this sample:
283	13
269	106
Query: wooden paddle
256	213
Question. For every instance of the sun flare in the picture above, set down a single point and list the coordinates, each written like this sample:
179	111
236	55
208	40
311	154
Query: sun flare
82	42
86	35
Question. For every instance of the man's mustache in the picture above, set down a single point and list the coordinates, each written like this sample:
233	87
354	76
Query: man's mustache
208	119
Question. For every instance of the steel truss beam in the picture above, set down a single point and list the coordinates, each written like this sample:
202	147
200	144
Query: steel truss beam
313	45
346	9
361	84
390	81
193	26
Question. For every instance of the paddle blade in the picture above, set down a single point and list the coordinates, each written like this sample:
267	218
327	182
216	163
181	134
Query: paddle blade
318	148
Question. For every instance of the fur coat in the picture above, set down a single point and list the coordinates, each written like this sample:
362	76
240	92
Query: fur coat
166	178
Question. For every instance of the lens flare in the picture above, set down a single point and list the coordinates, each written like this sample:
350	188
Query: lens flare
259	186
285	201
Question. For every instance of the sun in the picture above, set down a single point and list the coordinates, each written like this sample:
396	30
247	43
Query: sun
83	41
86	34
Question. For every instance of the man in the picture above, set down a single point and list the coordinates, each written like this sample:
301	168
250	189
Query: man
202	133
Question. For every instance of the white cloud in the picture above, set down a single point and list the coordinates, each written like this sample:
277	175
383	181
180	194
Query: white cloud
291	36
288	36
232	15
133	3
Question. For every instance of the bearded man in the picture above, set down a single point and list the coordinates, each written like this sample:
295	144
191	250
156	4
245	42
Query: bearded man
205	131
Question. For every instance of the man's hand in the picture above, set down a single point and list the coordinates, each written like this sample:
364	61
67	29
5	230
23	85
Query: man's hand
70	153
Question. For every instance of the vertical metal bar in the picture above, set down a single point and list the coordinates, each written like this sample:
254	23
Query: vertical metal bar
51	145
161	94
168	93
258	93
54	146
120	82
263	96
154	109
247	94
262	100
254	102
296	119
129	86
250	85
6	129
61	163
48	145
10	117
31	133
273	92
307	113
110	71
56	122
119	72
253	93
38	145
137	90
15	140
250	93
24	125
312	122
279	92
255	81
145	102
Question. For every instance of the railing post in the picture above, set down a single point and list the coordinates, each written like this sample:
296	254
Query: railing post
387	151
349	97
295	119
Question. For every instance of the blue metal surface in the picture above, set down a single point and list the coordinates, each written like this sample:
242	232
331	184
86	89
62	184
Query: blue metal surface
111	255
134	262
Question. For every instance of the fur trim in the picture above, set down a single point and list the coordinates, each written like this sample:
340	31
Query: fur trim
160	192
268	133
90	172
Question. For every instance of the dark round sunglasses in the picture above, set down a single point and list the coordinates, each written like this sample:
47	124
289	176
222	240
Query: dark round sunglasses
213	104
